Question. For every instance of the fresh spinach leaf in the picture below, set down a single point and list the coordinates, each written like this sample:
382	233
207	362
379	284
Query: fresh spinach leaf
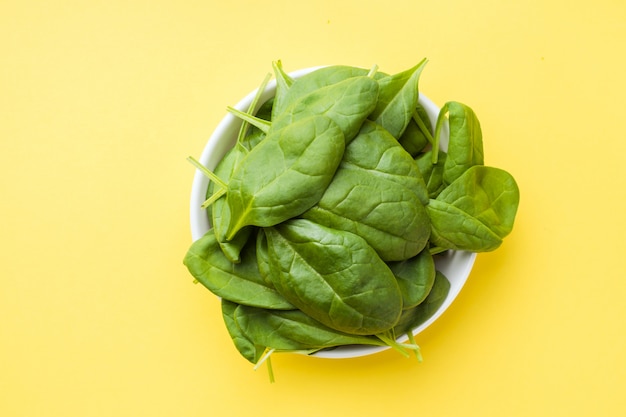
375	152
465	147
476	211
397	100
244	345
432	173
220	211
293	331
334	276
416	316
285	174
415	138
389	216
241	283
283	84
415	277
347	103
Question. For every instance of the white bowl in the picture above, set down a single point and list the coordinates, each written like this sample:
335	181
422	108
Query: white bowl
455	265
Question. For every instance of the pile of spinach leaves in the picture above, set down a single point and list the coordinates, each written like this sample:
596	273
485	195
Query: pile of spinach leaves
329	211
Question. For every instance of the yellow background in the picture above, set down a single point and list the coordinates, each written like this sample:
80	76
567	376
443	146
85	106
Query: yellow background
102	101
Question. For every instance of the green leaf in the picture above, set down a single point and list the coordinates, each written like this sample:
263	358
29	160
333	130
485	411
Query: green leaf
465	147
293	331
415	137
241	283
315	80
285	174
416	316
397	100
244	345
283	84
333	276
347	103
386	214
415	277
220	213
476	211
432	173
375	152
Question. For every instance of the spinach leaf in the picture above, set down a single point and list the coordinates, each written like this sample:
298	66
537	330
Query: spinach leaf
334	276
432	172
244	345
320	78
415	277
465	147
397	100
220	212
240	283
375	152
262	257
414	139
389	216
347	103
293	331
285	174
283	84
419	314
476	211
254	135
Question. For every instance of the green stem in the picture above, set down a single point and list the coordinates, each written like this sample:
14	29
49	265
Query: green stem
436	249
393	344
270	370
264	358
262	125
440	119
207	173
373	71
423	128
216	195
252	108
281	75
418	352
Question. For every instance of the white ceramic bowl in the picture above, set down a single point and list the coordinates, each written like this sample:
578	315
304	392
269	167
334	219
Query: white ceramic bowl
455	265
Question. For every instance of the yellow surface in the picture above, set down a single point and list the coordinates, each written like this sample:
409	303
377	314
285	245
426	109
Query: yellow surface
102	101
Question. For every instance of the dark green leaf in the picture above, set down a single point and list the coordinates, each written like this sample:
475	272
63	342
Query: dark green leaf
293	330
419	314
333	276
415	277
241	283
244	345
386	214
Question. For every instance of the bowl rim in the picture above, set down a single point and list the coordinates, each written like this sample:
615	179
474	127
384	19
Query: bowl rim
456	265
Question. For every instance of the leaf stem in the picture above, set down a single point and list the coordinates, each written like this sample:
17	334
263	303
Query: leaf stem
422	126
252	108
207	173
440	119
373	71
216	195
418	352
262	125
436	250
264	358
393	344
